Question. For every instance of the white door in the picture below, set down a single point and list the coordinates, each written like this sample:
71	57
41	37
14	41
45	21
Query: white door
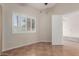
57	33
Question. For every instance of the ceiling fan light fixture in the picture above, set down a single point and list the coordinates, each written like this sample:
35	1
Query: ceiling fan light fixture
46	3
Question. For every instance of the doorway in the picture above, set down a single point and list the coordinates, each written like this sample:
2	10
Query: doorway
0	29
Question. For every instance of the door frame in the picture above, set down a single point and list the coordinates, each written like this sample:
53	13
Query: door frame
1	5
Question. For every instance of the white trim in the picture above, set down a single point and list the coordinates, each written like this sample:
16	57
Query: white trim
18	46
18	14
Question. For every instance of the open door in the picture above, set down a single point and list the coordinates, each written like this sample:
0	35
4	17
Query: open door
57	30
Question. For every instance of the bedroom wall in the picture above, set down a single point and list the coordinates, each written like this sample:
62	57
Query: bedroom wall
70	26
11	40
45	31
0	29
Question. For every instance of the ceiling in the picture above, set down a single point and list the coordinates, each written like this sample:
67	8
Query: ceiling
40	6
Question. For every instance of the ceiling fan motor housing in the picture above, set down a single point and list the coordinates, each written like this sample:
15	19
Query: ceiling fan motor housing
46	3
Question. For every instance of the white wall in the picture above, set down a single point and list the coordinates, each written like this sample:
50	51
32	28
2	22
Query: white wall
11	40
45	31
71	28
0	29
71	25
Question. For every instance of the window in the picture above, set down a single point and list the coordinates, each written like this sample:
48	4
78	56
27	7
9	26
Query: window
23	24
33	24
28	24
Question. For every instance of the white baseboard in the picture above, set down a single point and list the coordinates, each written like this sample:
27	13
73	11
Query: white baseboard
13	47
73	39
45	41
18	46
70	37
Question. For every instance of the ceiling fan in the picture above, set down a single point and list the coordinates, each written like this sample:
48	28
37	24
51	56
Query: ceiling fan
46	4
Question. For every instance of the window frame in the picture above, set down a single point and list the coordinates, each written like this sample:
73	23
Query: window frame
31	17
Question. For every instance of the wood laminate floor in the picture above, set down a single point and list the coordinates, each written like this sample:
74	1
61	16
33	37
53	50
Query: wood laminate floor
45	49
